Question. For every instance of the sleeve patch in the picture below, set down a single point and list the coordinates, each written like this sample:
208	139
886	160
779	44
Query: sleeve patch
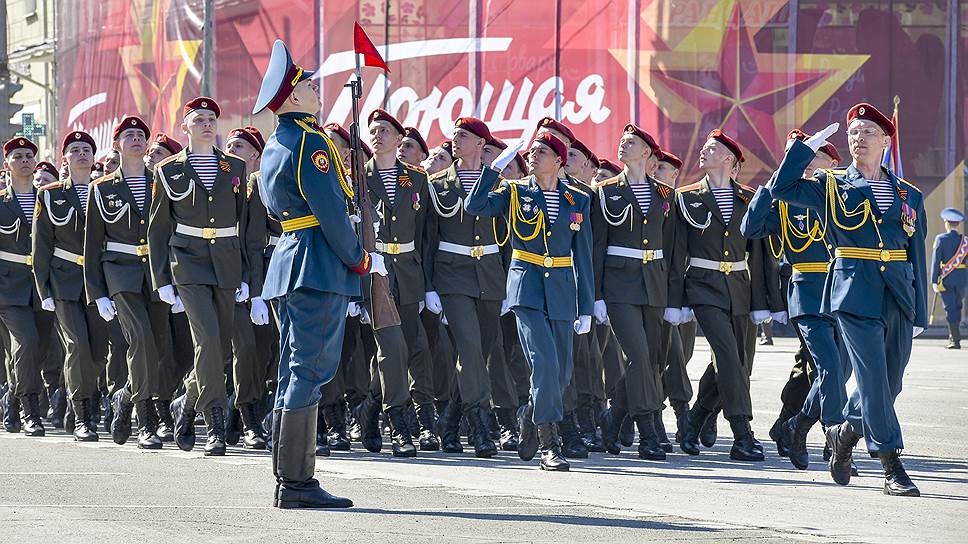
321	161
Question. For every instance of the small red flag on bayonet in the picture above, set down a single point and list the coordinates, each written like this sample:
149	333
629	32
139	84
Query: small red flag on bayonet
363	46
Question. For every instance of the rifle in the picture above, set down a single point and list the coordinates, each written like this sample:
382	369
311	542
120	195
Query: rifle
383	309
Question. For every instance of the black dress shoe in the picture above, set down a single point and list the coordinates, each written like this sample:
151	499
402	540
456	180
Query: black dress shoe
449	424
233	425
11	413
660	432
709	431
58	407
308	495
294	462
338	438
588	430
782	443
33	425
896	480
84	428
166	422
611	429
401	441
842	440
528	443
552	458
253	433
509	429
484	446
744	445
183	412
147	425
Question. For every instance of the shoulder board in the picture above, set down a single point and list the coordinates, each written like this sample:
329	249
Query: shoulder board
690	187
52	185
102	179
609	181
747	188
413	167
577	189
664	189
837	171
909	184
166	160
235	158
438	175
522	182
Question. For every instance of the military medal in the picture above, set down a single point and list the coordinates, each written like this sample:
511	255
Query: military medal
415	198
526	208
235	184
576	219
908	218
665	208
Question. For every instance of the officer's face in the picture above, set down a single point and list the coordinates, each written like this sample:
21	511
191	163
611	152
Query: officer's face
131	142
21	163
305	96
542	160
439	161
201	125
631	148
410	152
666	173
466	143
342	146
384	138
156	153
244	150
79	155
866	140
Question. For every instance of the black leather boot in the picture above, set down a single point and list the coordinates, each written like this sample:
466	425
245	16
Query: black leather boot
954	336
70	419
147	425
294	453
692	423
11	413
794	432
590	435
121	424
571	443
626	433
368	415
509	429
58	407
233	424
782	444
528	443
354	429
166	422
183	412
215	441
107	411
401	440
681	409
660	432
322	434
611	428
649	447
338	439
450	428
274	426
426	418
709	431
33	426
551	456
896	480
744	445
483	445
253	434
842	440
84	428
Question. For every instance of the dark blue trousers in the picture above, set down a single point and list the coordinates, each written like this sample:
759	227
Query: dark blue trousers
828	395
952	299
547	347
311	326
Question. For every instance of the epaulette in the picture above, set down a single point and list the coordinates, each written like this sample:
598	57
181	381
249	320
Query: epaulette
414	167
577	189
102	179
909	184
837	171
437	176
664	190
522	182
690	187
52	185
746	188
166	160
608	181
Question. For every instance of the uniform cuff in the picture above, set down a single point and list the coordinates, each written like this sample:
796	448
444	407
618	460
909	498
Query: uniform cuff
363	266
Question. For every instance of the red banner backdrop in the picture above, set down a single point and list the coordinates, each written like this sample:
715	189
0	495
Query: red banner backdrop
678	69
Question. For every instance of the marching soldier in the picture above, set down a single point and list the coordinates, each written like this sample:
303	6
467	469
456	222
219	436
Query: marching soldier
196	224
58	248
711	276
550	283
948	276
877	284
29	326
634	232
116	279
313	273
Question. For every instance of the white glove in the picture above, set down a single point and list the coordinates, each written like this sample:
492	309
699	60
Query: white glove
106	308
364	315
687	315
377	264
759	316
167	294
376	226
818	140
506	156
432	301
780	317
259	311
673	316
505	307
583	324
917	331
177	307
242	293
935	287
420	306
353	309
443	319
601	312
47	304
355	219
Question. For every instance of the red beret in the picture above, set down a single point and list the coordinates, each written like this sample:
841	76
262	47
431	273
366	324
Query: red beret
549	123
497	142
243	134
131	121
47	167
522	163
643	135
171	145
448	146
258	135
666	157
381	115
474	126
729	143
78	136
201	103
555	144
870	113
414	134
577	145
338	129
605	164
19	143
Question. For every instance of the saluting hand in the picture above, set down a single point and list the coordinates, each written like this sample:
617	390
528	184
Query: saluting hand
818	140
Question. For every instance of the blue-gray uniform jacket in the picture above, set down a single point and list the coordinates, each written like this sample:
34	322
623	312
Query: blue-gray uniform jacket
305	192
858	285
554	289
945	247
805	292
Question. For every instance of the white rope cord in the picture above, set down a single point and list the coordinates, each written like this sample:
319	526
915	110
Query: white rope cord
57	221
109	217
625	215
689	218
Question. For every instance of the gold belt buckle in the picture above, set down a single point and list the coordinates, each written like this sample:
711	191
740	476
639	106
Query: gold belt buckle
391	248
549	262
30	260
648	255
885	255
142	250
477	252
79	260
725	267
209	233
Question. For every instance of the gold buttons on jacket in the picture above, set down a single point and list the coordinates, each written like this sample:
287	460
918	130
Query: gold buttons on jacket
142	241
213	241
726	252
211	220
726	233
645	242
211	198
880	244
142	221
393	218
883	268
645	221
285	213
880	220
477	237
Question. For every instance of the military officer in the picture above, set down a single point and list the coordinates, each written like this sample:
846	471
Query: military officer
634	228
804	247
116	279
313	273
195	240
877	284
58	247
948	276
711	276
20	306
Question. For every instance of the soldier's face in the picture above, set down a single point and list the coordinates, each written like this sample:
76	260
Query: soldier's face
21	163
466	143
43	177
342	146
666	173
632	148
156	153
79	155
384	138
577	164
490	153
866	140
439	161
131	142
112	162
242	149
715	155
201	125
821	161
305	96
542	160
513	171
410	152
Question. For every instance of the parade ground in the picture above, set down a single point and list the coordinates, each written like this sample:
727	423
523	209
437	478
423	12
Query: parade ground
55	490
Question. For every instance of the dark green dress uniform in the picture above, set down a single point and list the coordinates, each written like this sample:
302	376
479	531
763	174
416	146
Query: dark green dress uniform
195	241
948	272
29	326
58	250
632	251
